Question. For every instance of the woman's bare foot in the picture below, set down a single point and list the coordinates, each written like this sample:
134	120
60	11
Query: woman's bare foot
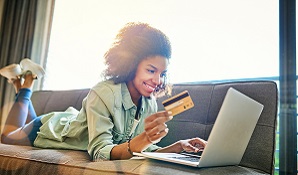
17	85
29	78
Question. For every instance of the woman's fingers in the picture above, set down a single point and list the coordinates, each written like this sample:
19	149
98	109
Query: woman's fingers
194	144
157	129
157	119
155	126
160	116
198	141
155	138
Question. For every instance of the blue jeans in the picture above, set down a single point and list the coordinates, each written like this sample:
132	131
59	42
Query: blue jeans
23	111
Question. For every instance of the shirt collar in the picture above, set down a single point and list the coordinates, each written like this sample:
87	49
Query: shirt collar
127	101
126	98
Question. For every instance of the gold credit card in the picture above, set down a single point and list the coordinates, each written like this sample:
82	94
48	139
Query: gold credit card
178	103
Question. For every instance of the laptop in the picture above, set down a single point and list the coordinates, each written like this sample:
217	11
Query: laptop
229	137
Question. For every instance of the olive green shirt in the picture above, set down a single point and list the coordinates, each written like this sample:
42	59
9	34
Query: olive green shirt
105	120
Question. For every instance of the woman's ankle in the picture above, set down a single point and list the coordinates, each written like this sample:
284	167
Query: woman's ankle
24	93
28	80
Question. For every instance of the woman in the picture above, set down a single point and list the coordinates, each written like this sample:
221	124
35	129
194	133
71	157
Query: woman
119	115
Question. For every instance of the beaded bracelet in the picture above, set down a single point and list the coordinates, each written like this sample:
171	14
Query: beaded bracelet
128	147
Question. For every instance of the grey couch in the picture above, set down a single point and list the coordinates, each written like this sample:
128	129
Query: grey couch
197	122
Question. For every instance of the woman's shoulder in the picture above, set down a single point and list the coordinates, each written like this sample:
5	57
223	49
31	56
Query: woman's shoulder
107	90
106	86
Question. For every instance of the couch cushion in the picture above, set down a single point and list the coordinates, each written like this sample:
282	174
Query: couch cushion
29	160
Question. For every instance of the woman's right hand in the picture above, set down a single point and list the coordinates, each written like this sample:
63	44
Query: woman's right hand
155	126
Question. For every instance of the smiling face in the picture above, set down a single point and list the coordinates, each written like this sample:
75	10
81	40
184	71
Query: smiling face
150	73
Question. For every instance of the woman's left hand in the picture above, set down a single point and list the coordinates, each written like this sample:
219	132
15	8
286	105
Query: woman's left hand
193	145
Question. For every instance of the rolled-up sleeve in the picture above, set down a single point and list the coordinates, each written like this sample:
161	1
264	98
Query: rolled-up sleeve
100	124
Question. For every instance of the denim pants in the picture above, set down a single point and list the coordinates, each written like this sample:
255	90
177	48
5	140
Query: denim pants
23	108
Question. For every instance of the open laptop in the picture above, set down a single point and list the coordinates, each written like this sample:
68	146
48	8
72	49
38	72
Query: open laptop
229	137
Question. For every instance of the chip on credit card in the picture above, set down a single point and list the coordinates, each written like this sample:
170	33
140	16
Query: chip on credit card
178	103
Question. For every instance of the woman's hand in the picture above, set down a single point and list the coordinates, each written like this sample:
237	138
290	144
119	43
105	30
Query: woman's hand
155	130
193	145
155	126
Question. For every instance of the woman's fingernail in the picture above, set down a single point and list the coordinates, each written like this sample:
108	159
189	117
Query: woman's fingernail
170	117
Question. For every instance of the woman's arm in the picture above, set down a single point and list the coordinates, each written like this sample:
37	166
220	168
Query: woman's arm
155	130
100	126
124	150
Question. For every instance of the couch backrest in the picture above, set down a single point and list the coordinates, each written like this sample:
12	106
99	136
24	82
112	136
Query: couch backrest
49	101
198	121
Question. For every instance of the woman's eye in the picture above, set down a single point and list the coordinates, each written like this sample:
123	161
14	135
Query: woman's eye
151	71
163	75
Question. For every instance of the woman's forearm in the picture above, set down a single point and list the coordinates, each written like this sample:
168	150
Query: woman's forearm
173	148
124	150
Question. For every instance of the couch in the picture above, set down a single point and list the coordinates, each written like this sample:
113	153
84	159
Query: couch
196	122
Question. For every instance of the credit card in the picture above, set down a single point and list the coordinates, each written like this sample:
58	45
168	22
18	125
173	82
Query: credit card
178	103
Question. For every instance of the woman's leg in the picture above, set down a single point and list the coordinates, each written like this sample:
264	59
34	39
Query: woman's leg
31	111
22	123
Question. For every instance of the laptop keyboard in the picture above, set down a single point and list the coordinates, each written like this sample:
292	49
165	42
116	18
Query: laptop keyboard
192	159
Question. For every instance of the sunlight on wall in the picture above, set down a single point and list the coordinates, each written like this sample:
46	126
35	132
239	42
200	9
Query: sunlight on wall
211	40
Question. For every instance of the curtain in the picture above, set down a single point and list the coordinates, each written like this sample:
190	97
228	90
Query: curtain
24	33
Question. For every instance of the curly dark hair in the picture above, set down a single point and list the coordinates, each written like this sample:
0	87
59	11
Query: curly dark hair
134	43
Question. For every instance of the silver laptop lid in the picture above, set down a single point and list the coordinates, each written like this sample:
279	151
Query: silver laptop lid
232	130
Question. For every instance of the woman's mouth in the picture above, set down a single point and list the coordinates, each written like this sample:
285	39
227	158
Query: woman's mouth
150	88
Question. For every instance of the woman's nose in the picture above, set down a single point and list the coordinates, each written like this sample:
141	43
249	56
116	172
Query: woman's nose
157	79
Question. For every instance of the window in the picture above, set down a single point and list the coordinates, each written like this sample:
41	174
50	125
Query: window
211	40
